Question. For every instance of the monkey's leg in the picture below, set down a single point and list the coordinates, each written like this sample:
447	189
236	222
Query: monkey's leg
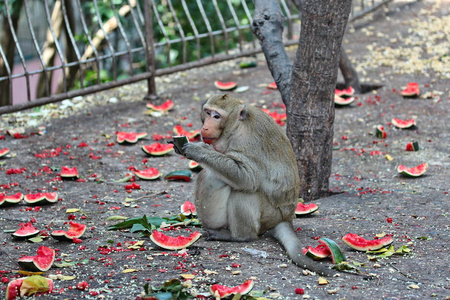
244	216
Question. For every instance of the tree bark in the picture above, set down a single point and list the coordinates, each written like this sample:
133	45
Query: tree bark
314	75
267	25
8	46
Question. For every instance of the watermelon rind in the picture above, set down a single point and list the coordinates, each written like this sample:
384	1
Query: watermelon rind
129	137
67	172
414	171
4	151
76	230
412	146
320	252
157	149
41	262
6	200
148	174
223	291
305	209
41	198
380	132
272	86
26	231
184	175
188	208
361	244
336	254
166	106
403	124
225	86
13	288
341	101
174	243
194	166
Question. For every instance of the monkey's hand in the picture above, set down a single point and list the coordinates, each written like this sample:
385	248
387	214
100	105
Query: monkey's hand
194	150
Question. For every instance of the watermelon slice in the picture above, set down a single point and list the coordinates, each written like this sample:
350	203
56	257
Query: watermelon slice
336	254
194	166
380	133
411	90
157	149
4	151
179	175
402	124
41	262
166	106
413	146
67	172
361	244
320	252
76	230
41	198
12	199
305	209
272	86
129	137
26	231
345	92
188	208
191	135
174	243
148	174
41	285
225	86
413	172
341	101
223	291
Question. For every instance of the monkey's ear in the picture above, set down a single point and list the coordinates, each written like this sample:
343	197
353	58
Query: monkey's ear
242	112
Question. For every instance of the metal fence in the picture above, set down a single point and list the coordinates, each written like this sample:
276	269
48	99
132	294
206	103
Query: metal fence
52	50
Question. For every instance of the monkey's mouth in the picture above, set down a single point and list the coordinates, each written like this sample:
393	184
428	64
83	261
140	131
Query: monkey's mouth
208	140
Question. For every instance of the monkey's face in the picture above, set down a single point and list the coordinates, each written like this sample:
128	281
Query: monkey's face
212	125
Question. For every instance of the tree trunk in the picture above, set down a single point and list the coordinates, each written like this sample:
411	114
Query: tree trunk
314	75
8	46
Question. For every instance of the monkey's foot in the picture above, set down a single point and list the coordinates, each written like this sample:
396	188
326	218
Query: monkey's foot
219	235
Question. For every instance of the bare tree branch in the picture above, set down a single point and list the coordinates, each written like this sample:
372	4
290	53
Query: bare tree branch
267	25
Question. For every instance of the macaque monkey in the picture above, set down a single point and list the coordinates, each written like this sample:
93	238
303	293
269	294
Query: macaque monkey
249	183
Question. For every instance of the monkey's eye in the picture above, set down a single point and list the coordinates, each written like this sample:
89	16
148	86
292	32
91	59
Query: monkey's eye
215	115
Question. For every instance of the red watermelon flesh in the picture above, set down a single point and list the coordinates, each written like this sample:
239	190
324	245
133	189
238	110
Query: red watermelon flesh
225	291
67	172
76	230
319	252
129	137
4	151
188	208
148	174
225	86
174	243
345	92
166	106
26	231
41	262
359	243
402	124
412	89
414	171
305	209
12	199
157	149
13	289
191	135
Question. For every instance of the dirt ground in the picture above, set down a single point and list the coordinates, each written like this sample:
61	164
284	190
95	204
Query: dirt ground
369	196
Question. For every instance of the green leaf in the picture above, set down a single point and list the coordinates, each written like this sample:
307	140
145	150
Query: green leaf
116	218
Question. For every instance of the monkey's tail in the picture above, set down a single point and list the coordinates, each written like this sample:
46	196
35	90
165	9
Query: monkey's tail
285	234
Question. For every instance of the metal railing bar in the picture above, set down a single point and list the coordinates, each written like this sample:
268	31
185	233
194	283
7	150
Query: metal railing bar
163	30
136	25
180	29
68	31
250	19
194	28
108	42
208	27
222	23
124	35
235	19
56	40
289	19
74	93
363	13
86	32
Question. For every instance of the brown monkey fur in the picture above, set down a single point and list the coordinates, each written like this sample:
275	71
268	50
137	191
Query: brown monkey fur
249	183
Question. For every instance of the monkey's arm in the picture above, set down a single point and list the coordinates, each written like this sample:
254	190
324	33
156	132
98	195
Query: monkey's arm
239	172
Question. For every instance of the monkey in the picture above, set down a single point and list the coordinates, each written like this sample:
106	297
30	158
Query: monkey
249	184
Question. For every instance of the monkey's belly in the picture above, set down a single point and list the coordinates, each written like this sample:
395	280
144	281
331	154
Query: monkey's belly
211	201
